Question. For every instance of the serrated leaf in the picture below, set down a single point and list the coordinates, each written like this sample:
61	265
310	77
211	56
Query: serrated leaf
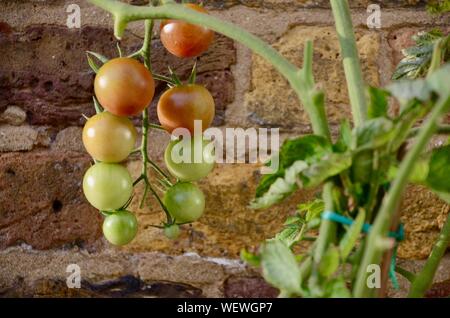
330	165
329	262
306	148
311	210
289	235
266	181
292	219
417	58
280	268
281	188
438	177
350	238
378	102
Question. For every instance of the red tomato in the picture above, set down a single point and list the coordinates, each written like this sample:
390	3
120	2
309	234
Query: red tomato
184	39
124	86
181	105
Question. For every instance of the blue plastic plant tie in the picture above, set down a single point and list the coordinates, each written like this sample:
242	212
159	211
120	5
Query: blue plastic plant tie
399	236
392	266
338	218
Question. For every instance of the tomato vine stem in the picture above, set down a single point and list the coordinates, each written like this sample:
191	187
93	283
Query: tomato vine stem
379	231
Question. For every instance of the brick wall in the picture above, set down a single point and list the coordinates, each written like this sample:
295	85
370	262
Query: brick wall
45	86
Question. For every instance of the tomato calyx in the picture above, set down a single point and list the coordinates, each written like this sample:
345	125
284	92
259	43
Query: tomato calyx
173	79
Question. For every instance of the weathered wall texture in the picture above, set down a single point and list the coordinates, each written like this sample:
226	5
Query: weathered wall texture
45	86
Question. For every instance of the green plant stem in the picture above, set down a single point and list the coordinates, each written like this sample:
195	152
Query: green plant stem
390	202
124	13
442	129
327	230
405	273
424	279
352	68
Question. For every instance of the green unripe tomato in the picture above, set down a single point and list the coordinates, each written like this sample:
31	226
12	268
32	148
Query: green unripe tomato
172	231
120	228
189	170
109	138
107	186
185	202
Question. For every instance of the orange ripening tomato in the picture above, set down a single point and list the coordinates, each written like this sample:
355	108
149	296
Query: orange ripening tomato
184	39
179	106
124	87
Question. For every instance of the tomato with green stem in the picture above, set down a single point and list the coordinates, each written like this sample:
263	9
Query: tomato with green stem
185	202
180	158
181	105
124	86
107	186
184	39
120	227
109	138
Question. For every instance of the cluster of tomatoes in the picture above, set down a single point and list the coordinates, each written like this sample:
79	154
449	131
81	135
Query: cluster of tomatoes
124	87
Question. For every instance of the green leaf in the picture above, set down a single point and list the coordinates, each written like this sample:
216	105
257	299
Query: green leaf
406	90
281	188
266	181
307	148
311	210
350	238
250	258
378	102
329	262
373	133
439	80
420	171
417	58
280	268
410	113
344	141
362	166
439	170
289	235
337	288
438	6
330	165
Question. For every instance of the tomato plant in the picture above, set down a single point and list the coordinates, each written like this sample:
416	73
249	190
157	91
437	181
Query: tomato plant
179	106
189	170
107	186
124	86
184	39
185	202
359	214
109	138
120	227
